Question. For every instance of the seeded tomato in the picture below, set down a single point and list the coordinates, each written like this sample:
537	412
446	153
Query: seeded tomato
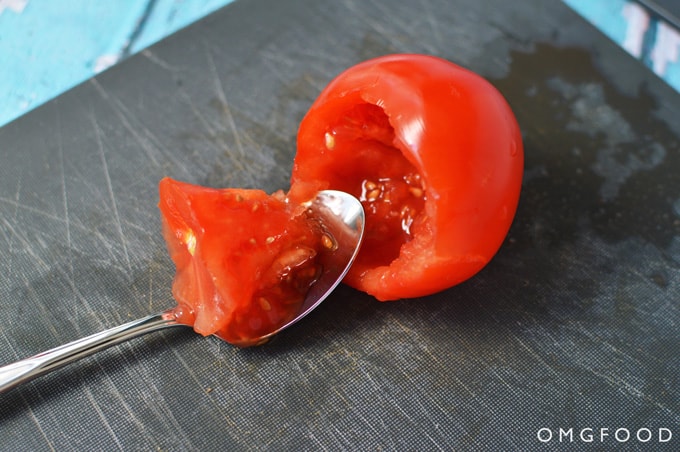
434	153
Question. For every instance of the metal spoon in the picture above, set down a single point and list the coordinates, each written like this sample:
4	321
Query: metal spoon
329	205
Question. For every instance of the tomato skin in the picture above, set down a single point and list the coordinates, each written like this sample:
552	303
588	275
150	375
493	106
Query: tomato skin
458	133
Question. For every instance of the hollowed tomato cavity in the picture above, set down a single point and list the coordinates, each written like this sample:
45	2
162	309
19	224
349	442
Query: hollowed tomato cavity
244	260
369	166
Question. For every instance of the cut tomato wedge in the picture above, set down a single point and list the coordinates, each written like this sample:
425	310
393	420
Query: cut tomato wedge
244	259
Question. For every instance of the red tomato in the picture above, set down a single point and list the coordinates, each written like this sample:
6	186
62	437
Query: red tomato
435	155
245	260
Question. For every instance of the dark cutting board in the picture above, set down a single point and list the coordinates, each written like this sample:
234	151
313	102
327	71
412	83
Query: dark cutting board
574	325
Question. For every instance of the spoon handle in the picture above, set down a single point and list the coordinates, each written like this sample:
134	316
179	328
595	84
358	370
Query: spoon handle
19	372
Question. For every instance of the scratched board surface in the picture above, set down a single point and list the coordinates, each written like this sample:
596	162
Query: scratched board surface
573	326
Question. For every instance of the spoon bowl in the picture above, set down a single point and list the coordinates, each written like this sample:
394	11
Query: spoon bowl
343	216
340	212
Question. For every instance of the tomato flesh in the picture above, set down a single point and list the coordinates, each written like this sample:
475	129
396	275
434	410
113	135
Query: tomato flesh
244	259
367	165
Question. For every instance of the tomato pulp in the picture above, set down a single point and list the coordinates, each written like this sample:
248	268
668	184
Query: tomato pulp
244	259
435	154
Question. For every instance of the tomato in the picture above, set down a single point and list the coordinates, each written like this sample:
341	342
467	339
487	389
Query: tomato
244	259
434	153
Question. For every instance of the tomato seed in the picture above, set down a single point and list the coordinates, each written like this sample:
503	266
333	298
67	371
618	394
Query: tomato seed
264	304
370	185
190	241
269	240
294	257
328	242
373	194
415	191
330	141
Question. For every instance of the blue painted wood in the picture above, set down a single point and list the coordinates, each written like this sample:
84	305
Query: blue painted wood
647	30
47	47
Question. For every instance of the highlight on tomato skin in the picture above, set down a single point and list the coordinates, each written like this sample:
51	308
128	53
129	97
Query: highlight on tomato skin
435	154
244	259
